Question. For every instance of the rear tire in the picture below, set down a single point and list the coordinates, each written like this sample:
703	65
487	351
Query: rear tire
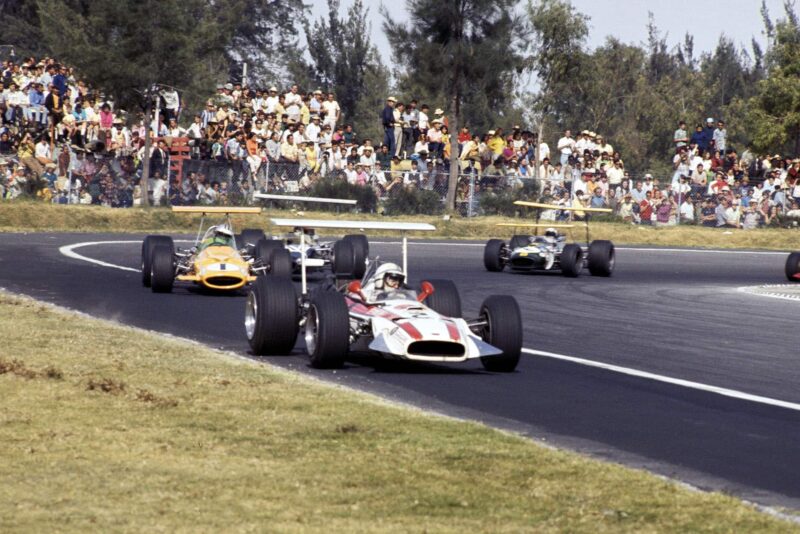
271	321
162	269
601	258
264	249
327	330
793	266
503	330
249	238
518	241
491	255
280	263
445	299
147	251
361	253
343	259
571	260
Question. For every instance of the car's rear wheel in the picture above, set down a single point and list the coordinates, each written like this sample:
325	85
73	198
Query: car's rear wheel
162	269
270	318
445	299
327	330
518	241
492	255
571	260
280	262
343	258
249	238
264	249
360	245
601	258
147	252
793	267
502	330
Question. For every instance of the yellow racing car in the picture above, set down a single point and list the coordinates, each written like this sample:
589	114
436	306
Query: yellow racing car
218	260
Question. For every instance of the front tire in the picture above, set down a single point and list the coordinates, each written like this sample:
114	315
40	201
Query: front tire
491	255
327	330
162	269
571	260
148	245
601	258
503	330
280	263
793	267
270	319
445	299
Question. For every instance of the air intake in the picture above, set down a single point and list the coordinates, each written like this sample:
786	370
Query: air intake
442	349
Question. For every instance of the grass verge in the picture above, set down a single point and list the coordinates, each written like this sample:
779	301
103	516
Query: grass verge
22	216
107	428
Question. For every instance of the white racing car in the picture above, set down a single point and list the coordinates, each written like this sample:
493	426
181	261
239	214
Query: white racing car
382	315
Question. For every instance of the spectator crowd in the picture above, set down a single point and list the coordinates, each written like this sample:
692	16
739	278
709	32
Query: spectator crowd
64	142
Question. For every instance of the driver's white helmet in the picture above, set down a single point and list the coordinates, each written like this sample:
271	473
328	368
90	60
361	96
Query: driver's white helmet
390	271
551	232
223	230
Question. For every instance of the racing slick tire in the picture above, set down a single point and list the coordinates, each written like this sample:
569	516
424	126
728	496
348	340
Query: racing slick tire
327	330
361	253
491	255
571	260
503	330
162	269
147	250
445	299
601	258
793	267
249	238
280	262
270	318
343	259
518	241
264	249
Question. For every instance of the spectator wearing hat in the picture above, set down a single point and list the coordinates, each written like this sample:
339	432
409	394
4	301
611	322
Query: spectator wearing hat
387	119
436	139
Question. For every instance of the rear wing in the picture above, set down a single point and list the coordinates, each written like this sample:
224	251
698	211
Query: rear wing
401	227
539	207
297	198
208	210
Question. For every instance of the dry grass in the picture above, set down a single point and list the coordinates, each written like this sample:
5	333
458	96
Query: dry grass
142	433
35	216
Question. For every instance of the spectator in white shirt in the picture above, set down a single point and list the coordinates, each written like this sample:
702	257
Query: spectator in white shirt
566	145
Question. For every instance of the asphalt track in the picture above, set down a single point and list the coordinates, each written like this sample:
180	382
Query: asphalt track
666	329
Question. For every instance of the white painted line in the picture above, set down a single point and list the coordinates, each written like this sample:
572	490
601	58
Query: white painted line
772	291
740	395
69	251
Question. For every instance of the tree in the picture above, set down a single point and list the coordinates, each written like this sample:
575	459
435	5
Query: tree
126	45
19	26
263	35
774	115
464	52
559	33
344	61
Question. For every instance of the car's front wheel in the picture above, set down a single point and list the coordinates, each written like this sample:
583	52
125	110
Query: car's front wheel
503	330
327	330
793	267
270	317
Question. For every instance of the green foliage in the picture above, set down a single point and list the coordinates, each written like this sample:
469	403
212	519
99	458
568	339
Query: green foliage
365	198
774	113
502	203
121	45
413	202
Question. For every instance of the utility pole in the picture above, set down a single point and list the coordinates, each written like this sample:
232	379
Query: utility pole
144	183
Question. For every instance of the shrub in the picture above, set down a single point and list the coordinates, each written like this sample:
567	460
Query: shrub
365	198
413	202
502	203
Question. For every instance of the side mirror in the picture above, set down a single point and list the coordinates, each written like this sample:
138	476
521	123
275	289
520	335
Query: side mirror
355	287
426	290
